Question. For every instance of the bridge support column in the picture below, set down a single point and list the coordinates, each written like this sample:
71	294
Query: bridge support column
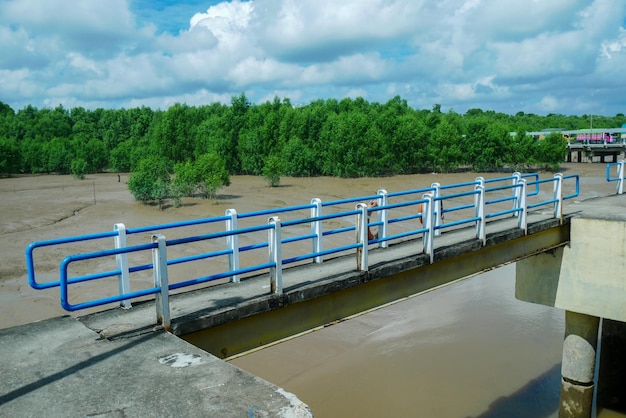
612	373
577	370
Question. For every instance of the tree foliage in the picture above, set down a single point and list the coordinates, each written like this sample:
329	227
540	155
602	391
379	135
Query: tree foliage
206	176
550	151
9	157
346	138
151	180
273	169
78	168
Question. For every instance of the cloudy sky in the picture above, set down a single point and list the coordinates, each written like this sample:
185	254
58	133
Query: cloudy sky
536	56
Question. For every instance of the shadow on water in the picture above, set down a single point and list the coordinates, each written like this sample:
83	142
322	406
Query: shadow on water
530	400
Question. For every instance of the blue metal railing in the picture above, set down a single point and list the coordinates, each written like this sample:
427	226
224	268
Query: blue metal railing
429	208
619	176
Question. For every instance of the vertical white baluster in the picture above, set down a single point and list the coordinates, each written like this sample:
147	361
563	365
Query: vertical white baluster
558	196
517	177
522	204
275	256
232	243
429	222
361	237
620	176
316	229
481	224
159	263
383	216
122	264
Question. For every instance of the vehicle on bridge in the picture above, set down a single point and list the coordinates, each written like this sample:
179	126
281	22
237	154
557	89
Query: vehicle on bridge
592	136
595	138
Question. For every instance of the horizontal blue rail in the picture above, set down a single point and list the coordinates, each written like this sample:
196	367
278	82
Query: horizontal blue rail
620	176
64	280
30	263
174	225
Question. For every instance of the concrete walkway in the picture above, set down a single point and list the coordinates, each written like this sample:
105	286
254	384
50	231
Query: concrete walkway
60	368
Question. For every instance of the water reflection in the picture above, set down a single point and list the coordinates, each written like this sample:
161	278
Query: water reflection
532	400
465	350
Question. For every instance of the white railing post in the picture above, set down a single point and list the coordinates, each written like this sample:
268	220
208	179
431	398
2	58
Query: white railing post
316	229
517	177
232	243
437	207
620	176
383	217
479	202
275	255
361	237
159	269
522	222
428	221
558	196
122	264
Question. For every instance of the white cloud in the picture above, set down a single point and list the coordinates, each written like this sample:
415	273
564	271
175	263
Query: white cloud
460	53
93	27
354	93
261	71
229	23
549	104
323	30
198	38
613	47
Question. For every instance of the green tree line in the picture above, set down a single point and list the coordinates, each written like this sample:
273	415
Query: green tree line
345	138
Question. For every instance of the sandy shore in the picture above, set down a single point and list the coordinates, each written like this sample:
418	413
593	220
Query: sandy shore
36	208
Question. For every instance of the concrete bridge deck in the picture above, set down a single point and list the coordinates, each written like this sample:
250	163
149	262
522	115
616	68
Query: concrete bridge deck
118	363
237	317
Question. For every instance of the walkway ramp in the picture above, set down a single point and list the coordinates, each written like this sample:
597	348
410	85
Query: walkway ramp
59	367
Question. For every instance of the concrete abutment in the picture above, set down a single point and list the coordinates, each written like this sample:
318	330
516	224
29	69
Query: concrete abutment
585	278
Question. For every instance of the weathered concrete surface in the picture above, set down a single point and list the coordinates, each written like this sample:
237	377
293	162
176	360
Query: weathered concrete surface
591	279
576	400
579	347
578	366
60	368
585	276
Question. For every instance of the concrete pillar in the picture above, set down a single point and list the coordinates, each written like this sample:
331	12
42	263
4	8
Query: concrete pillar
577	369
612	368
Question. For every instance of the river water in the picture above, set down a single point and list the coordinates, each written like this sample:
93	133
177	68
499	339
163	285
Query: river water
468	349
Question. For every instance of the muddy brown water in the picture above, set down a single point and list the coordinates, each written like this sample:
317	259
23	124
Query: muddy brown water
469	349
